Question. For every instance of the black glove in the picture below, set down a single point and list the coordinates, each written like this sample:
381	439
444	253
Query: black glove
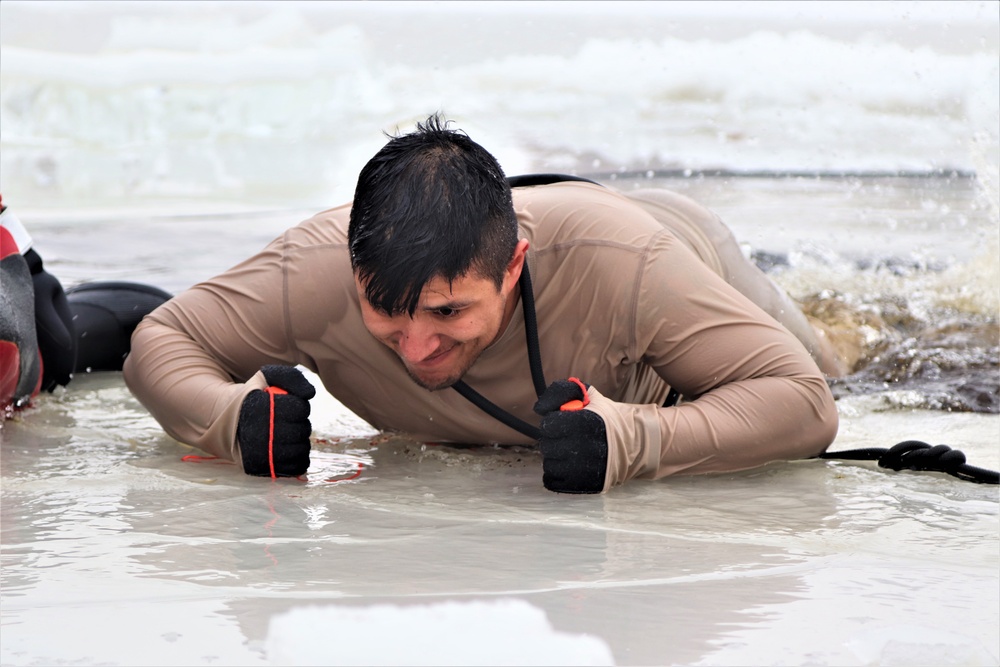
55	326
289	450
574	441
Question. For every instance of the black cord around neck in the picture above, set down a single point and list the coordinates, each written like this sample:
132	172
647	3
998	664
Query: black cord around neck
531	330
534	362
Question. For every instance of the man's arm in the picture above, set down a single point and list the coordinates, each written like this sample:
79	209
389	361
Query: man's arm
194	360
752	394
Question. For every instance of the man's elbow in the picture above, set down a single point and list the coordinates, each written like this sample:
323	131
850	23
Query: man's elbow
821	429
131	369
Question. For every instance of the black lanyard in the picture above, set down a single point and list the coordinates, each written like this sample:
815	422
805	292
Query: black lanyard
530	330
530	326
534	361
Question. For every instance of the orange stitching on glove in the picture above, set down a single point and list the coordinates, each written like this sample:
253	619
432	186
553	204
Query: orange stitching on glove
271	391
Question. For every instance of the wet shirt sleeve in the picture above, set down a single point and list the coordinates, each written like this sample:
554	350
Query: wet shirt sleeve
752	392
195	358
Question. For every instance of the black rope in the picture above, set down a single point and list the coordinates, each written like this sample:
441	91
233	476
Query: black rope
496	411
534	361
531	331
917	455
672	397
528	180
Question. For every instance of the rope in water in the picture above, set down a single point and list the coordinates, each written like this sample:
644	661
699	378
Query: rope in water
918	455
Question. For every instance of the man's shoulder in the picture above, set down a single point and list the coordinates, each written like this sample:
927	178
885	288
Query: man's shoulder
581	213
563	193
326	228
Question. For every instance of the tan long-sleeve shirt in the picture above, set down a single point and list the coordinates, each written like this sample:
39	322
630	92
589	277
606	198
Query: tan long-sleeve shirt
622	303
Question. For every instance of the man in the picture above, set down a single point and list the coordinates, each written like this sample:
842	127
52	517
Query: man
437	303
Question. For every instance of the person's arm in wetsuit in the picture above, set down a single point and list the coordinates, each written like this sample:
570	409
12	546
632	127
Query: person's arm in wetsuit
37	337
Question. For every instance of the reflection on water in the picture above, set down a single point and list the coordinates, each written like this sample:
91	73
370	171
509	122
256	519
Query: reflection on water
680	571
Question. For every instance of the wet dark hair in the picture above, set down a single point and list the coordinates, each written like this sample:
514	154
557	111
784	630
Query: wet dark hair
430	203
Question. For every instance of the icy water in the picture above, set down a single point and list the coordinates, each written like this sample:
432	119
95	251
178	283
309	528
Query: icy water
164	142
141	557
904	271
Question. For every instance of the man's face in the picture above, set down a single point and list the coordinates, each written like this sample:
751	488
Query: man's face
452	325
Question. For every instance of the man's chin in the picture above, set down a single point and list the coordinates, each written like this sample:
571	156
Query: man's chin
444	377
431	383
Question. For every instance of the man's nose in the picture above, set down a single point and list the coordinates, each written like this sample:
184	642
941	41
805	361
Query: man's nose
417	341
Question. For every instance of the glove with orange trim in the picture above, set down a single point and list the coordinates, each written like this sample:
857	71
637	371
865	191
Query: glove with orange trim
274	427
574	441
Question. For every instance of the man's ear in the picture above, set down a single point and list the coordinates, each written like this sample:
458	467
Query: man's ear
516	264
